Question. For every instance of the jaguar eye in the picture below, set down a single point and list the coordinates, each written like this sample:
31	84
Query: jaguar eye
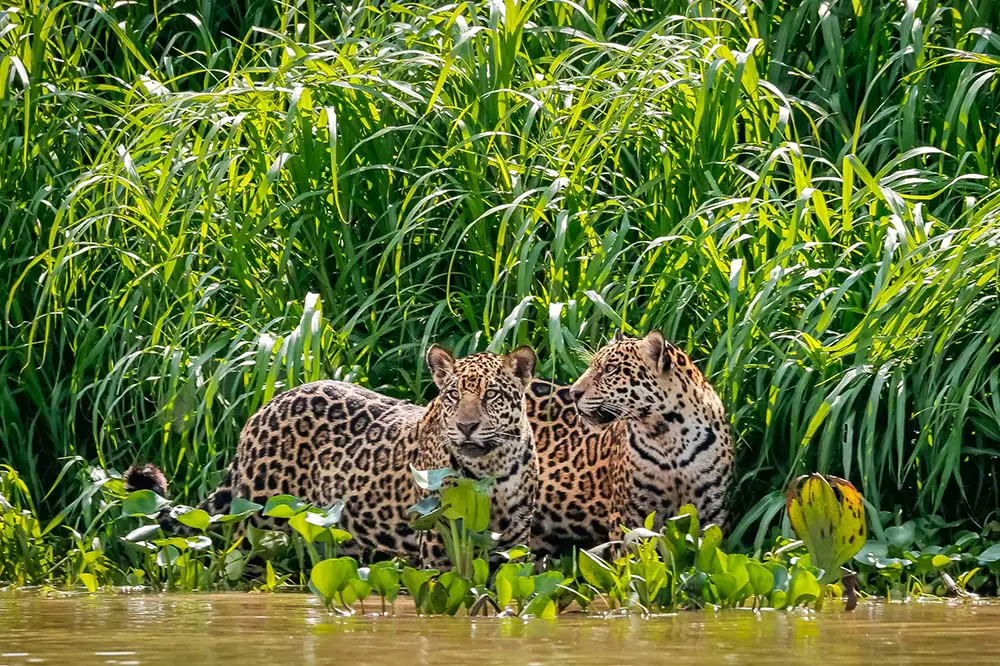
491	394
611	368
451	395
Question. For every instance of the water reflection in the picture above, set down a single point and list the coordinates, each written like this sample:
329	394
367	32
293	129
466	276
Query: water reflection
245	630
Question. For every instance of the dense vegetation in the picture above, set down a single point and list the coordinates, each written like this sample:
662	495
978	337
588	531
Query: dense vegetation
207	202
682	566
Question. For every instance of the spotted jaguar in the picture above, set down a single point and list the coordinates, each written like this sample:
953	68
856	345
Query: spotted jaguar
640	431
331	440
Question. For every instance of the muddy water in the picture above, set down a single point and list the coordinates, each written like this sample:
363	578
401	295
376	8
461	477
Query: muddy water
245	629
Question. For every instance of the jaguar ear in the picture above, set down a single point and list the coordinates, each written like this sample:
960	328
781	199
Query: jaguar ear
619	335
654	349
441	363
521	362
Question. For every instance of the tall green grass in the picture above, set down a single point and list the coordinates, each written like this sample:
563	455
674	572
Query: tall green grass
206	203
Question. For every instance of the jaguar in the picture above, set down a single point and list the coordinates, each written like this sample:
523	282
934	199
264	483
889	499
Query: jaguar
641	431
331	440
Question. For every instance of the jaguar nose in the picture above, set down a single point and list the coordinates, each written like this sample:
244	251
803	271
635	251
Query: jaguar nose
575	392
467	427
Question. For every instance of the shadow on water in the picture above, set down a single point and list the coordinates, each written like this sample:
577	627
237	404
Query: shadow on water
245	629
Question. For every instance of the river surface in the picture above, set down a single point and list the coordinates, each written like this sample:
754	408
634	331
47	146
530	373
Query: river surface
276	629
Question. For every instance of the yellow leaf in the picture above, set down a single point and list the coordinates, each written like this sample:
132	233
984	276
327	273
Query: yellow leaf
828	514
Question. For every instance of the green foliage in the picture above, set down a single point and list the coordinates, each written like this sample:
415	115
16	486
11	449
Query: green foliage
204	206
330	579
682	566
25	556
458	512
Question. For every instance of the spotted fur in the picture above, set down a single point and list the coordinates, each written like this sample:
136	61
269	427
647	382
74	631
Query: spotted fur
641	431
331	440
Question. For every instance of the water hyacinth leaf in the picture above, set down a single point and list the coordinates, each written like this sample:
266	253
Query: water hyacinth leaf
761	578
142	533
458	590
283	506
546	583
694	583
990	556
504	590
385	580
332	576
425	506
871	552
485	540
736	565
596	571
239	509
828	514
195	518
725	585
335	512
689	513
349	594
485	484
167	556
414	579
323	518
541	606
895	563
709	545
200	542
965	539
515	553
524	587
653	579
940	561
270	542
431	479
143	503
425	513
506	583
339	536
463	502
301	524
180	543
480	571
902	536
236	565
803	588
362	589
681	522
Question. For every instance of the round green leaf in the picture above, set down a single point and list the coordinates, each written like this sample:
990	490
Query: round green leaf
803	588
431	479
990	555
196	518
761	579
283	506
901	537
143	503
142	533
332	576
